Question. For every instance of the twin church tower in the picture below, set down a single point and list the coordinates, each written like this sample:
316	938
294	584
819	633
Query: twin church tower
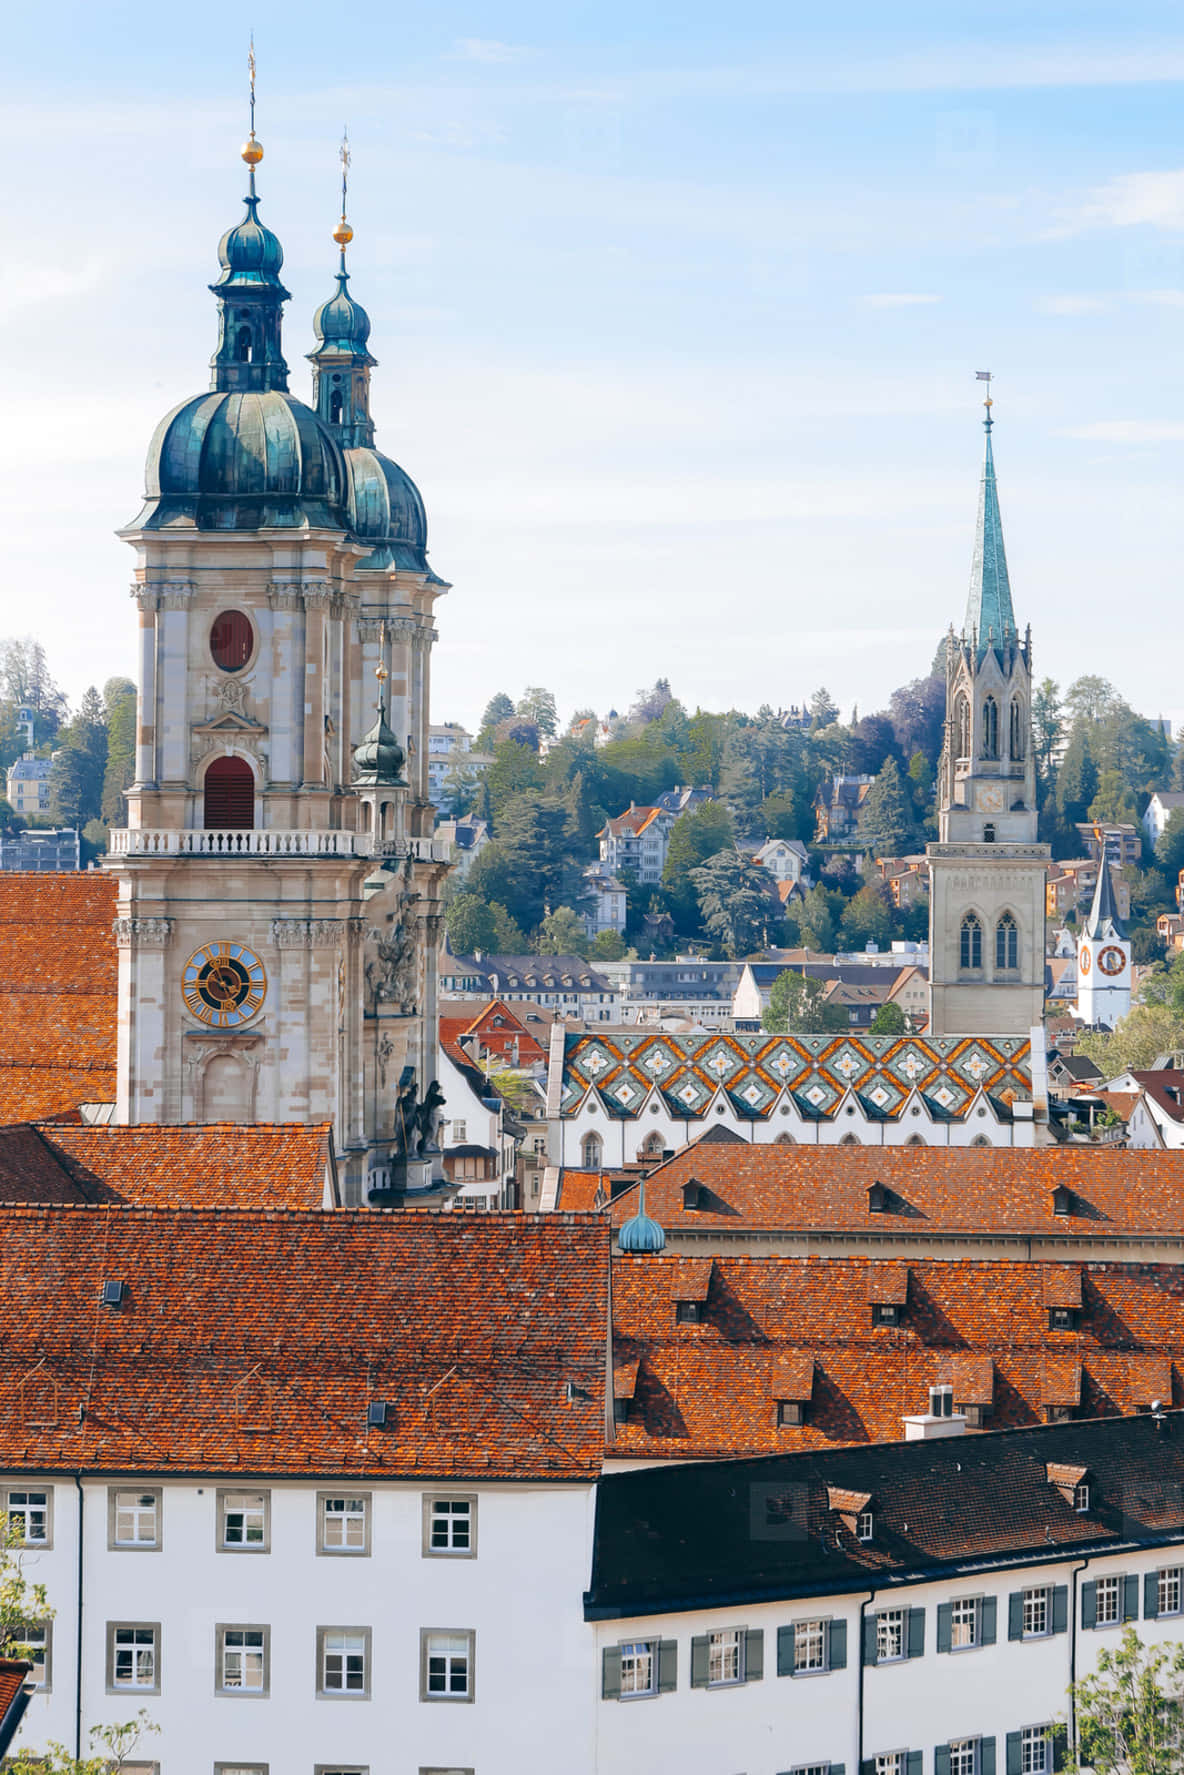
278	883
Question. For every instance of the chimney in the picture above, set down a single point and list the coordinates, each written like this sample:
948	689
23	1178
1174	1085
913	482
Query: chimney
928	1426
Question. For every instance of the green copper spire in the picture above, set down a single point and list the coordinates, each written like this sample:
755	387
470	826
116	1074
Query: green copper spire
989	614
249	355
342	362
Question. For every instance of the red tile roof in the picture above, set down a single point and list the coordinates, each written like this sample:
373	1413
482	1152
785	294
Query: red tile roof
934	1190
254	1341
705	1389
582	1192
215	1164
14	1698
57	993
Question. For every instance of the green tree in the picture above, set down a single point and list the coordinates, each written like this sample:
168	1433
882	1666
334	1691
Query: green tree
1077	779
112	1748
530	868
538	705
795	1007
515	1087
471	926
1136	1043
25	682
515	770
1048	725
508	937
763	759
119	703
1114	801
607	946
868	917
1128	1712
1089	699
889	1020
76	780
818	918
921	782
694	837
738	902
1169	851
650	704
824	711
703	749
886	823
562	932
499	708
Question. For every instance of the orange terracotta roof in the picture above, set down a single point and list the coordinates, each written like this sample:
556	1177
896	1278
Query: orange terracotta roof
709	1388
214	1164
934	1191
582	1192
14	1697
57	993
253	1341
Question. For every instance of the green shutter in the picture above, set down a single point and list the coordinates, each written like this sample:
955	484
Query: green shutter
700	1656
914	1762
916	1642
868	1766
1060	1745
1130	1597
988	1618
1089	1604
945	1621
838	1769
941	1759
1015	1615
1015	1753
1150	1595
869	1639
610	1682
1060	1609
785	1651
986	1756
667	1665
836	1649
754	1654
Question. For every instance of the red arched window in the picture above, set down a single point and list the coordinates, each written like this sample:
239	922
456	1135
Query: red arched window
230	795
231	641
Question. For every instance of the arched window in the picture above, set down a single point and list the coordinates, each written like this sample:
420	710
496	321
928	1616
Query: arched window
914	1140
653	1145
591	1152
962	725
1007	944
232	641
1015	737
990	728
980	1140
242	345
850	1140
970	942
229	796
335	407
785	1140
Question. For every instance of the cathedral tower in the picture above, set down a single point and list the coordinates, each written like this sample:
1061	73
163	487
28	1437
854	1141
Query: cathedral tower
987	872
278	882
1103	954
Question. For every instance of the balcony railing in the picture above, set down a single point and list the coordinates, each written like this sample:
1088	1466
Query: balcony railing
144	841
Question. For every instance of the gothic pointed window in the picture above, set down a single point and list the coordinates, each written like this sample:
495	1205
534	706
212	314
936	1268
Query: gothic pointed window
970	945
990	728
229	796
962	725
1015	745
1007	944
591	1152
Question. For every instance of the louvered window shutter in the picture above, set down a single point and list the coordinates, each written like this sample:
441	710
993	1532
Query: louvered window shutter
914	1762
988	1616
1130	1597
1150	1595
1060	1609
1015	1753
916	1633
1015	1615
754	1654
667	1665
836	1651
869	1639
986	1756
945	1615
229	795
1089	1604
700	1660
785	1651
868	1766
610	1684
941	1759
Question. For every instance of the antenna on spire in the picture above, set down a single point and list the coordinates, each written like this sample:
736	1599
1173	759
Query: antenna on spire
343	233
251	72
985	376
252	148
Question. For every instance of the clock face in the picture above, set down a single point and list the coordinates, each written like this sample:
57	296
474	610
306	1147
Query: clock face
990	798
224	984
1083	960
1112	960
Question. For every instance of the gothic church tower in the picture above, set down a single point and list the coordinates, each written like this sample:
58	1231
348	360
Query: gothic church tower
278	882
1103	954
987	872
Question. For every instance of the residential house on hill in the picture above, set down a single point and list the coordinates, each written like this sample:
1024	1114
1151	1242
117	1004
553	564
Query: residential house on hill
562	983
608	908
688	987
836	808
1156	1119
1159	810
636	840
906	878
27	786
1071	885
468	838
1122	841
786	859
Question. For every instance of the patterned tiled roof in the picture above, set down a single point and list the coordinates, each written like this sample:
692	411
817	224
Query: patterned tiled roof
705	1389
815	1070
932	1190
215	1164
254	1341
57	993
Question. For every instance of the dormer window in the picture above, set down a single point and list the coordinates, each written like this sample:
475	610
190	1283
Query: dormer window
1062	1297
1062	1200
687	1312
692	1195
887	1290
865	1526
877	1199
1061	1319
1081	1498
792	1386
689	1288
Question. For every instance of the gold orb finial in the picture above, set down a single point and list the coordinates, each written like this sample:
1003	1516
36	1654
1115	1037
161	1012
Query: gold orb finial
343	233
381	673
252	150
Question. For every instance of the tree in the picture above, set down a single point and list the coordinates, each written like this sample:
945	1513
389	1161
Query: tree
1114	801
1139	1039
119	703
738	902
538	705
607	946
25	682
824	710
917	712
529	868
1088	699
515	771
868	917
112	1748
508	937
514	1086
886	824
1128	1711
76	779
651	703
795	1006
471	927
889	1020
1048	724
694	837
1169	851
1077	779
499	708
818	919
562	932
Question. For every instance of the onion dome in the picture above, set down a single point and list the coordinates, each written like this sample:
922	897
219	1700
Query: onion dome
244	461
640	1235
378	756
387	510
341	324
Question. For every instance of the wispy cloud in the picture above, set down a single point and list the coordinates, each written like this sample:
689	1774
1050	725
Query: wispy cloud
901	299
1132	198
1128	431
1073	305
488	49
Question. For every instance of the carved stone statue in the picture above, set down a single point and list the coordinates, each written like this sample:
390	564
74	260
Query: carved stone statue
427	1120
406	1126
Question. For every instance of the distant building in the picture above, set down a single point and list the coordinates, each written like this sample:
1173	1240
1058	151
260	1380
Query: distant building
44	851
1163	804
607	909
636	840
1103	960
688	987
449	747
906	878
836	808
27	786
1122	841
1070	886
786	859
468	838
560	983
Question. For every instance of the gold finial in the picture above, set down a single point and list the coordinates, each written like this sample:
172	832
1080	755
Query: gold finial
343	233
252	148
985	376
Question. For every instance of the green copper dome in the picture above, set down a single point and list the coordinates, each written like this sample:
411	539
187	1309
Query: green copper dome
378	756
640	1235
249	253
387	510
341	324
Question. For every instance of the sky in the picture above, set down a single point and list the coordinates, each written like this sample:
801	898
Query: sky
677	309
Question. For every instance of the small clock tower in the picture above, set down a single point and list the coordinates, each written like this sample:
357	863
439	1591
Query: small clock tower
1103	954
279	885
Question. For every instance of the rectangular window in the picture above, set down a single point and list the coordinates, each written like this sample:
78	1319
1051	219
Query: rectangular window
809	1646
891	1764
865	1526
450	1526
343	1661
243	1660
243	1521
889	1635
133	1657
964	1624
446	1665
1109	1609
343	1522
1035	1613
963	1756
638	1671
238	1768
1034	1750
133	1519
725	1656
29	1517
35	1639
1169	1591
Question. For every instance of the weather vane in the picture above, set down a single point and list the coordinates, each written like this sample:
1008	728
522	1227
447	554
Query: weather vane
985	376
251	71
252	149
343	233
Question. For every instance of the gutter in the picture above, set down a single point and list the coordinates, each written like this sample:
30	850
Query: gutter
77	1477
870	1597
1077	1570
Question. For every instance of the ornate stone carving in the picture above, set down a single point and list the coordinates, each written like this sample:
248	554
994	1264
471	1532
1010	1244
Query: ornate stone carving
283	595
318	594
174	594
230	694
308	933
143	596
142	933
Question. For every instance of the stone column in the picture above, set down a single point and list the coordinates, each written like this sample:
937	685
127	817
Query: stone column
400	632
173	684
143	1018
316	605
292	939
284	684
146	701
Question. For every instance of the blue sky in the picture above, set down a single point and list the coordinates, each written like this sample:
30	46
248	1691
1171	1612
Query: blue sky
677	308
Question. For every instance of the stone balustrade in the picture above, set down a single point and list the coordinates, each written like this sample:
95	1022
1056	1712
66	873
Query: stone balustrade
143	841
